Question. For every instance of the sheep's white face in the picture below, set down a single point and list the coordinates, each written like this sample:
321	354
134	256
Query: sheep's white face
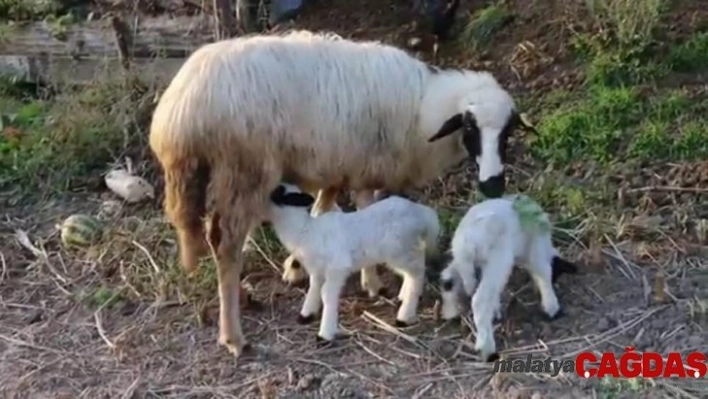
486	128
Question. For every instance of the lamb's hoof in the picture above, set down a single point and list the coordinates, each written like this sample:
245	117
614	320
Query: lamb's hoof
403	324
453	319
497	317
305	319
559	314
492	357
322	343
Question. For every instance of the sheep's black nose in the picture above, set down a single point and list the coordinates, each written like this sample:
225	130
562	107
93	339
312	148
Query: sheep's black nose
493	187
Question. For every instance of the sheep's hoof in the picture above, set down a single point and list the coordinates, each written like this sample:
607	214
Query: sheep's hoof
559	314
492	357
305	319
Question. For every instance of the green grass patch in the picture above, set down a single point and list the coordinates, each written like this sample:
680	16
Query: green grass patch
51	145
620	124
692	55
483	25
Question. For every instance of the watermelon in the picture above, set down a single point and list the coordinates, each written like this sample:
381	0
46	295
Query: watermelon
80	230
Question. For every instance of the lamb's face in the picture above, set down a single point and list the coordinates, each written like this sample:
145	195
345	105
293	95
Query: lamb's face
290	195
486	128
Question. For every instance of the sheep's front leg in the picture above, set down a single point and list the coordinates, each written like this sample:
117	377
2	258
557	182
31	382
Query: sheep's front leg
331	290
313	299
293	272
485	301
370	280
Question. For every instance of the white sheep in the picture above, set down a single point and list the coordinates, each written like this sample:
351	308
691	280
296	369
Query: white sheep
336	244
493	236
320	111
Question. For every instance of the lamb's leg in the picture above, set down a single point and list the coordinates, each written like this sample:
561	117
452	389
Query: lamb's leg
293	272
450	288
370	280
413	282
403	291
331	290
313	299
486	298
539	266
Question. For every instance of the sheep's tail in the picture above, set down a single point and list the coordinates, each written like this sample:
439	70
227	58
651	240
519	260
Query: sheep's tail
186	183
561	266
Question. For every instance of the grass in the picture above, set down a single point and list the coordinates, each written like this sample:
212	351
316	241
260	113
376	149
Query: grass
623	113
61	143
483	25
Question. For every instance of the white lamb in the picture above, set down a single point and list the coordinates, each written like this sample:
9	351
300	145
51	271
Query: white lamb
492	237
334	245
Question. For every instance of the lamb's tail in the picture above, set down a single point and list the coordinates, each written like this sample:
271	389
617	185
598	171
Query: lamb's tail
431	235
186	183
561	266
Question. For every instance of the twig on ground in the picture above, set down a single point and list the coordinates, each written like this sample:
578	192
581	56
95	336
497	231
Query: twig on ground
669	189
149	256
131	389
101	331
4	268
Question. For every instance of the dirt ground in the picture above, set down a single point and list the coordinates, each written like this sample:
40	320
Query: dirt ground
60	337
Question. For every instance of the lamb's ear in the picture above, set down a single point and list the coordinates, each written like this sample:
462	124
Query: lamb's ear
277	196
450	126
298	199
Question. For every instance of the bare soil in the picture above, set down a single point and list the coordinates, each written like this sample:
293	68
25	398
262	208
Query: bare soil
55	343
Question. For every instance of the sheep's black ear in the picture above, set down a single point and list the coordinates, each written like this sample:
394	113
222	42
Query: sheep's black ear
298	199
277	195
450	126
471	136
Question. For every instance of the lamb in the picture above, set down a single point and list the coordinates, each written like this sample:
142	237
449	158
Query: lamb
317	110
491	237
334	245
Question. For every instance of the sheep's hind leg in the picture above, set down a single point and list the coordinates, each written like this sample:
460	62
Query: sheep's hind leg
539	266
224	238
369	278
485	301
412	289
236	214
293	272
